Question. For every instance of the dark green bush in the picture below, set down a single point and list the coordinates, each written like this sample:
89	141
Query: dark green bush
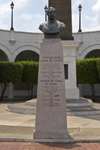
10	72
30	72
98	66
87	73
30	75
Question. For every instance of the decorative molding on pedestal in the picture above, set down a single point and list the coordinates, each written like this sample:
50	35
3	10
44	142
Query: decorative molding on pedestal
67	52
70	48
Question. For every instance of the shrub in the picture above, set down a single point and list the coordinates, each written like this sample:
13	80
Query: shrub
30	75
10	72
98	66
87	73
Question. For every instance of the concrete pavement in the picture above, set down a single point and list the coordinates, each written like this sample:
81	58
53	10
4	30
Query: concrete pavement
21	126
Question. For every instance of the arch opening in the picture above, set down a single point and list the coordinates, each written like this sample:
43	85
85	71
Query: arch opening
93	54
3	56
27	55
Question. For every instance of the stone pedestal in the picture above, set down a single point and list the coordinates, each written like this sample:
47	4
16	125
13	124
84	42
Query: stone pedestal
70	48
51	105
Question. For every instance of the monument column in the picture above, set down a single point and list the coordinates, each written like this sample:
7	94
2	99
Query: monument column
63	14
70	48
51	120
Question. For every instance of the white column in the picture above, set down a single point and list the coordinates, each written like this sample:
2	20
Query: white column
70	48
10	91
80	88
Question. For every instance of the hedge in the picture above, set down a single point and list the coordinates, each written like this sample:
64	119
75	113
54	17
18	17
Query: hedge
17	73
30	75
87	72
10	72
30	72
98	66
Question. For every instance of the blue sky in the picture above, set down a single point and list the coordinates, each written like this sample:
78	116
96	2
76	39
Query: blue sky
28	14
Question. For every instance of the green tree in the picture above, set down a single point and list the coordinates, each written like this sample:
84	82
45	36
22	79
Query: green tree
87	73
10	72
30	75
98	66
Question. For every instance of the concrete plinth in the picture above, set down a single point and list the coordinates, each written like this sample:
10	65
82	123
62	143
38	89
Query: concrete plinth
10	91
70	48
51	102
51	135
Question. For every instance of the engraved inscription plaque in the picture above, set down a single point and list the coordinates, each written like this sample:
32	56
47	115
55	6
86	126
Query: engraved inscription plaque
51	103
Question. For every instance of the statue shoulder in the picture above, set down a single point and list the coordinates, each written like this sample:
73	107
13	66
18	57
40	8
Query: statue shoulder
61	24
42	25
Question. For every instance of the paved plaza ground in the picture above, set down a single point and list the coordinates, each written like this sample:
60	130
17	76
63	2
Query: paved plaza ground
17	126
48	146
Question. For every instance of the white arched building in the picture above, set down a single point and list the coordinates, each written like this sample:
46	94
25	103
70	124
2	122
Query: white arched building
26	46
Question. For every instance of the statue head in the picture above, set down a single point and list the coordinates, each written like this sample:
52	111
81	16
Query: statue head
51	12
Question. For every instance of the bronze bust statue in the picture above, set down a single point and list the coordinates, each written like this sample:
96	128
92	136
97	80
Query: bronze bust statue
52	27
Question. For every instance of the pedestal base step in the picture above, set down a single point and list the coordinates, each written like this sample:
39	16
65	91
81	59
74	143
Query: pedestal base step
74	109
50	135
69	102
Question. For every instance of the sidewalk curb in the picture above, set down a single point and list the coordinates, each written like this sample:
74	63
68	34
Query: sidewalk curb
50	140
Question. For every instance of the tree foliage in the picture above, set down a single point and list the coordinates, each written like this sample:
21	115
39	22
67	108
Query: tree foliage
10	72
87	73
30	75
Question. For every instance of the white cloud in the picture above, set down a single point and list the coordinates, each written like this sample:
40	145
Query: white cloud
4	8
93	21
96	7
39	16
92	28
26	16
76	3
45	1
33	22
36	21
21	3
2	25
88	18
96	10
4	13
31	16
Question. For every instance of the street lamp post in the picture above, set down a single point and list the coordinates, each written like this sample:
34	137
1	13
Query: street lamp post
12	6
45	8
80	8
